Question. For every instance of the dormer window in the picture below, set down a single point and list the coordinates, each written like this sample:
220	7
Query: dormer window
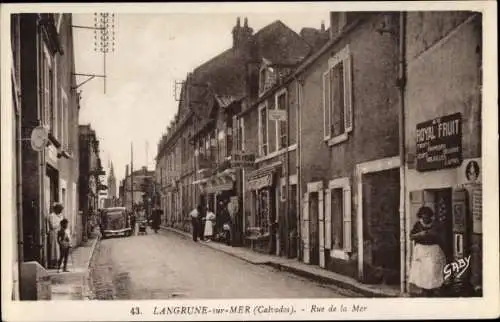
267	78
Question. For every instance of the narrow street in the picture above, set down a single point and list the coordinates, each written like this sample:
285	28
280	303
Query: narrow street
167	265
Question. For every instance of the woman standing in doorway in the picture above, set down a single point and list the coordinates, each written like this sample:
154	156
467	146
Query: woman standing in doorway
53	226
428	257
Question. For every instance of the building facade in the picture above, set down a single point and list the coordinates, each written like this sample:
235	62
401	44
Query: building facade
89	181
49	100
443	133
200	158
328	150
349	158
133	187
13	131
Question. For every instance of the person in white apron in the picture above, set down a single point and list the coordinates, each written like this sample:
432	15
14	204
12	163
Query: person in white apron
209	225
428	260
53	225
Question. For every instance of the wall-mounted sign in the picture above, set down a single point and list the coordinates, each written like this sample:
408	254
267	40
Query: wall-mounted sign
472	171
439	143
242	159
276	115
39	137
260	182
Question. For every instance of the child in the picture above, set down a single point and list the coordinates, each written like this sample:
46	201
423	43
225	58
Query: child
64	241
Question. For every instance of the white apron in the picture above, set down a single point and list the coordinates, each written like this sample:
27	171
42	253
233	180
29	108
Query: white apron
209	225
54	224
427	266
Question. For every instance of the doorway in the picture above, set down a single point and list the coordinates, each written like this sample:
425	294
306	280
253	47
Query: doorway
381	227
314	227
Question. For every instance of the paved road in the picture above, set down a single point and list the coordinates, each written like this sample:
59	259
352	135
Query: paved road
167	265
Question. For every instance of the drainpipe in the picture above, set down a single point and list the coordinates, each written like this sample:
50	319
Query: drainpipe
402	153
298	171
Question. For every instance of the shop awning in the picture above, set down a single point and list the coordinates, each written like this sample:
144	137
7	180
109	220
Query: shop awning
223	181
262	177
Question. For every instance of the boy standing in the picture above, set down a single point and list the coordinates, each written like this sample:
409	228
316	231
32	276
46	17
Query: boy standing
64	241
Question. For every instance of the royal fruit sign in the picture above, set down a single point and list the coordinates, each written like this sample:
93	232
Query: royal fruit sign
439	143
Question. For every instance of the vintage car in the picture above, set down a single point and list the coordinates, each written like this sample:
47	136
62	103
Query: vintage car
115	221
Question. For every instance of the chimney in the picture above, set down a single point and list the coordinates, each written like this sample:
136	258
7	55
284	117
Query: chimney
333	22
322	25
241	35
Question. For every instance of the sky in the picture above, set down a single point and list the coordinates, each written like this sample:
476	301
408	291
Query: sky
152	53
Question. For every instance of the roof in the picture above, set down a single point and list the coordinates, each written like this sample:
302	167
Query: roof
226	73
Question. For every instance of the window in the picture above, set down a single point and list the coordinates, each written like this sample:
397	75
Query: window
64	121
241	133
267	78
281	125
263	133
229	141
337	98
262	210
338	218
46	84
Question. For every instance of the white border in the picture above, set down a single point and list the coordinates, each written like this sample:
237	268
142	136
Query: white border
461	308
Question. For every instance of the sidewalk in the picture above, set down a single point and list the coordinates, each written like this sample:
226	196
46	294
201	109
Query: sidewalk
74	285
299	268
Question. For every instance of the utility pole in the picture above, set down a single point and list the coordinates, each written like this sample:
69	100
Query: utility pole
132	175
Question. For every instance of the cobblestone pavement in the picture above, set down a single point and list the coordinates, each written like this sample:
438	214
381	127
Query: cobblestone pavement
167	265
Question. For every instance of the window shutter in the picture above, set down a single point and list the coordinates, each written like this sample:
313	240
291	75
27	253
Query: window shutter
326	104
347	219
328	219
305	229
348	93
321	218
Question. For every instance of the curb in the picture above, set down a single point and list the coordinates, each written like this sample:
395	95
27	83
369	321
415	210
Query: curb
87	279
326	280
293	270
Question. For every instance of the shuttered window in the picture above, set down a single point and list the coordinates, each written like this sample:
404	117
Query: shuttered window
338	223
337	98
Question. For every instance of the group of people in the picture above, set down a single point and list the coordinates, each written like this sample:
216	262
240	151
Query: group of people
59	238
208	225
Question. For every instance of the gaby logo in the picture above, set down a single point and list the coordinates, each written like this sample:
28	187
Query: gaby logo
456	268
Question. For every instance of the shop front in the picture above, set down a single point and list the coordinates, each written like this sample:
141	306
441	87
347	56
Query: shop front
261	209
442	179
219	194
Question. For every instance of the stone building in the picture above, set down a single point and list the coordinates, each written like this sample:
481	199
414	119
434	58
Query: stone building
443	133
90	171
49	99
196	158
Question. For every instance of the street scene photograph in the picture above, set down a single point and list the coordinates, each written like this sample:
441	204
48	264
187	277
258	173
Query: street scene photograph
278	155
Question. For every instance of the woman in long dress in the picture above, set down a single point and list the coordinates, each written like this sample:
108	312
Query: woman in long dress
428	257
54	224
209	225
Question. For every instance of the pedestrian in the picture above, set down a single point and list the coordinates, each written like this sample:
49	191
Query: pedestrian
428	261
209	225
64	241
132	221
53	225
194	214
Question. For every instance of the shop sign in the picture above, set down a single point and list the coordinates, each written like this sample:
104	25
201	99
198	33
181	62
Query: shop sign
439	143
277	115
219	187
242	159
260	182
